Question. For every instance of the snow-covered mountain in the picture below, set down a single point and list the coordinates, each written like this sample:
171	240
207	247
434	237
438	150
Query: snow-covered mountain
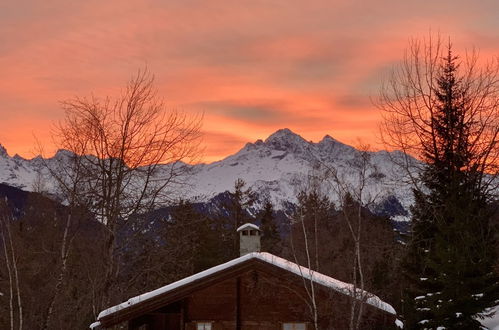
282	165
277	168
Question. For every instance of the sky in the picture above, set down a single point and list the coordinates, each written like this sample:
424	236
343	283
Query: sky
251	67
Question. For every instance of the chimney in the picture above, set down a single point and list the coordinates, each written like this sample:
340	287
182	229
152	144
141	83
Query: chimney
249	238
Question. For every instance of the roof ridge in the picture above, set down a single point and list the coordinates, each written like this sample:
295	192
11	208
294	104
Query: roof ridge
269	258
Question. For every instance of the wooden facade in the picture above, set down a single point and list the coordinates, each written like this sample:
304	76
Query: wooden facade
252	295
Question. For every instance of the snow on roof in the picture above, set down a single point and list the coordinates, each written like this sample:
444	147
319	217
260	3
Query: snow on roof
492	321
248	225
94	325
307	273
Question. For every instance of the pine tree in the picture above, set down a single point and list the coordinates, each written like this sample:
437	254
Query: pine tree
311	228
452	253
271	240
234	213
193	239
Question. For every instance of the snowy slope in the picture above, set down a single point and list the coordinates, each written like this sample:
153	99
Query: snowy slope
282	165
277	168
30	174
16	171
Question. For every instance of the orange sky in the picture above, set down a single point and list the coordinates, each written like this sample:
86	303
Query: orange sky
251	66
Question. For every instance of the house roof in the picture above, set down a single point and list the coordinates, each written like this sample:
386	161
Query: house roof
148	298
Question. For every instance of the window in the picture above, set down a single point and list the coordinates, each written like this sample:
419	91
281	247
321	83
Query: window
294	326
203	325
253	232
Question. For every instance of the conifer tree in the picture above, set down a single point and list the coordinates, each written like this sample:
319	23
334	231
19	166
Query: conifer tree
193	239
182	244
234	213
311	228
271	241
451	256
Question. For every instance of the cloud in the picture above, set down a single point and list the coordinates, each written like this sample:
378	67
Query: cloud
247	110
217	145
252	66
353	101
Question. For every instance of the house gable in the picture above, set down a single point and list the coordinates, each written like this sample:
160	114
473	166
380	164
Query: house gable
245	283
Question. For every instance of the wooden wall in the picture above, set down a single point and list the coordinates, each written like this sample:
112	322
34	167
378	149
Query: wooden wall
259	300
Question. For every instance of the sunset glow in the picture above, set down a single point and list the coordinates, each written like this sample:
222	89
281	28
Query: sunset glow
251	67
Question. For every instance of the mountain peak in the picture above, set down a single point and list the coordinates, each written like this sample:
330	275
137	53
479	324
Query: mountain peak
284	135
327	139
18	157
63	153
334	147
3	151
285	139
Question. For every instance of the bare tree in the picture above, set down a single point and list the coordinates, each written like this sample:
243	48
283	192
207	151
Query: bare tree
309	285
129	151
68	175
352	190
354	199
309	238
11	261
408	100
444	109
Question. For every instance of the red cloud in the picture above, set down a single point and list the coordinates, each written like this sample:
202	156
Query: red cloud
309	66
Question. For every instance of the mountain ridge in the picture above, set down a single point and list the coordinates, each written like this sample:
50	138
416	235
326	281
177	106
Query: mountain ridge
277	168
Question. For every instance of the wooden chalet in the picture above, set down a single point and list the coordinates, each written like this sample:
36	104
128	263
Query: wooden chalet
255	291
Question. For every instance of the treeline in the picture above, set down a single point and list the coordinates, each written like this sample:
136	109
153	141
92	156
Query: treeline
30	285
168	244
